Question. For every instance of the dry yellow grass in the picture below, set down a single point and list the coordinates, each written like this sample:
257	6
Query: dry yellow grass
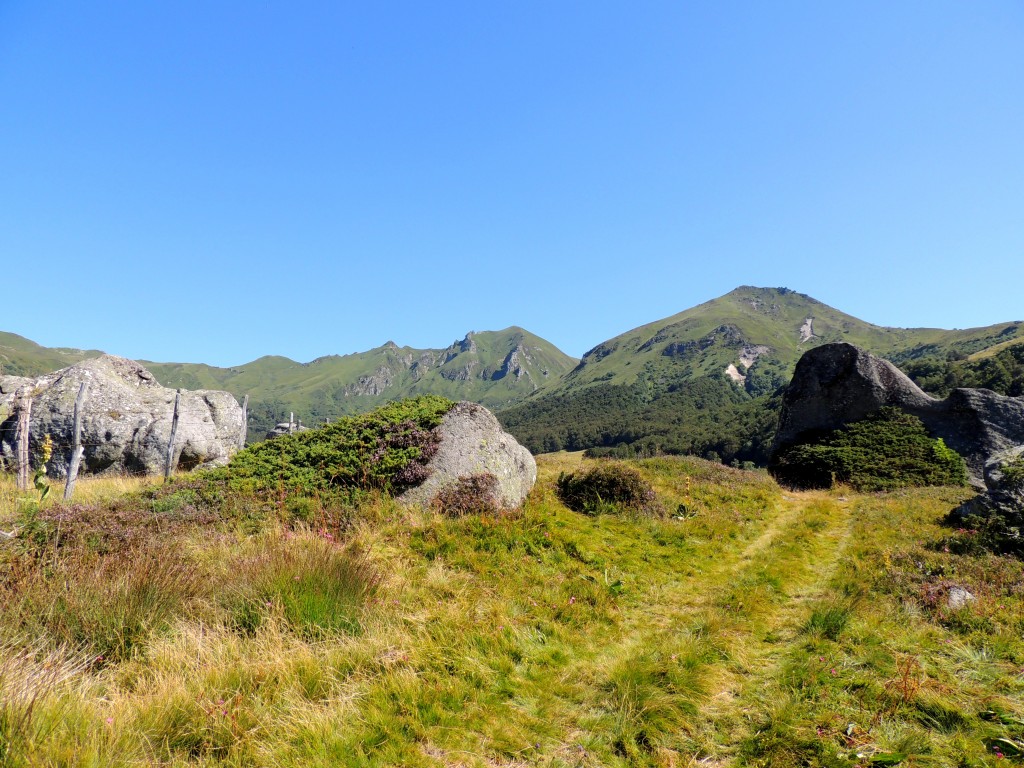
88	490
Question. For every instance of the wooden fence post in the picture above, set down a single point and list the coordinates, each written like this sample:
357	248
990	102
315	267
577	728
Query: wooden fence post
76	449
245	422
24	399
169	468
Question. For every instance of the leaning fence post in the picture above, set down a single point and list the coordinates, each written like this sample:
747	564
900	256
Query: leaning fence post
245	422
169	467
23	398
76	449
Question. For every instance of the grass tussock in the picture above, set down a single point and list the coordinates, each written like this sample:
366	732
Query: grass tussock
317	588
31	678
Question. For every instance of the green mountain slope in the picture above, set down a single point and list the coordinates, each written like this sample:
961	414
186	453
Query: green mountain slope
21	357
702	381
495	368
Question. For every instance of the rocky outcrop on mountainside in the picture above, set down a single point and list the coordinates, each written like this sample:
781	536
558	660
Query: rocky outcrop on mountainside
460	362
836	384
471	443
126	423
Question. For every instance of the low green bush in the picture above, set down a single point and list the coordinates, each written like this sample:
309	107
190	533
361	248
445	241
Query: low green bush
994	521
606	487
386	449
887	450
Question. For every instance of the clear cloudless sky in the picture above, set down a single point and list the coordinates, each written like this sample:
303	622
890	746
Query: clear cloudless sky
216	181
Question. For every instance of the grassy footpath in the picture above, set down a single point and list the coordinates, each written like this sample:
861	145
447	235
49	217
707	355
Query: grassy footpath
748	626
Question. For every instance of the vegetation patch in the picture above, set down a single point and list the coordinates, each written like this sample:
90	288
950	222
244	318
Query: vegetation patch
762	628
606	487
387	449
106	605
318	588
889	449
994	521
473	495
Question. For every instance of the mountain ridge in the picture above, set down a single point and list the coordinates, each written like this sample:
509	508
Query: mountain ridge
699	381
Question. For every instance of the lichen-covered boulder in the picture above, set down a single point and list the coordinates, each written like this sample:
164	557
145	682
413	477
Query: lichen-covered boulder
126	422
471	442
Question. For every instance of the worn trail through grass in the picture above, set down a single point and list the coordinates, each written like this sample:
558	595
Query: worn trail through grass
803	547
756	592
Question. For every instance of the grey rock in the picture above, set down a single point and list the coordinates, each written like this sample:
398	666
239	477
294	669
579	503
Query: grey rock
126	423
472	442
1003	500
835	384
957	597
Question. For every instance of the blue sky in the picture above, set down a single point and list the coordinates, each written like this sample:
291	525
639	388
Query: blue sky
212	182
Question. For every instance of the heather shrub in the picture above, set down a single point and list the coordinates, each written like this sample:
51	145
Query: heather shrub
474	495
993	521
606	487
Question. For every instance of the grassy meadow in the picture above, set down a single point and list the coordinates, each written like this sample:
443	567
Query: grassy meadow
747	625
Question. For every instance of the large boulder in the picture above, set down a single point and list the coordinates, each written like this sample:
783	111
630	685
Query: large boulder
836	384
126	422
471	442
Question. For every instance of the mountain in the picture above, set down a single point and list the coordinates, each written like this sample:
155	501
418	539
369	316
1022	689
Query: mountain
21	357
704	381
494	368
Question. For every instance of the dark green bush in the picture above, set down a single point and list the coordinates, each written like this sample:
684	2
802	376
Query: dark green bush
386	449
606	487
889	449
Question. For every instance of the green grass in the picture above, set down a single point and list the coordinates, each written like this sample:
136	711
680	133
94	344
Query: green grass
762	628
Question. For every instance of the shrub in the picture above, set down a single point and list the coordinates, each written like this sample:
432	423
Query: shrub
386	449
993	521
889	449
474	495
605	488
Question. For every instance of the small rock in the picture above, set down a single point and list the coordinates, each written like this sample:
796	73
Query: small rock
958	597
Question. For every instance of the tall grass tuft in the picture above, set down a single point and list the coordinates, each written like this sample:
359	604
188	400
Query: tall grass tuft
319	588
829	620
655	694
28	676
105	604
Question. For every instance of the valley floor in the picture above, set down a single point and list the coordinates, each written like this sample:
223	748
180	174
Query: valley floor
749	626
